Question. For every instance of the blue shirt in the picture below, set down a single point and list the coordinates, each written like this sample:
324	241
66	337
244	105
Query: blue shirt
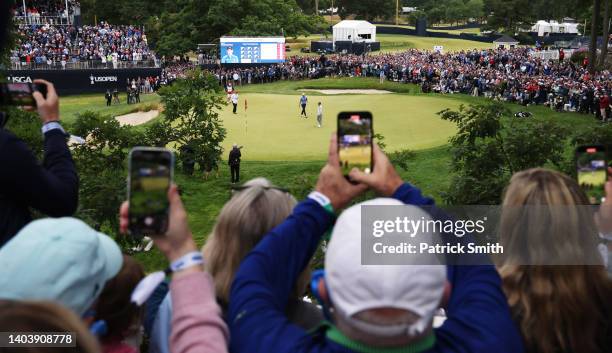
303	100
478	315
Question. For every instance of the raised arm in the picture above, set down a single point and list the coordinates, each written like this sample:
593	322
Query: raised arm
51	187
267	275
478	316
197	325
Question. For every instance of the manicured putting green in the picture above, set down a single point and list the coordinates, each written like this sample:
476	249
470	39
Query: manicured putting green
272	129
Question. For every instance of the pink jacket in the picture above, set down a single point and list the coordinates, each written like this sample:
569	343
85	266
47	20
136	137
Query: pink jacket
197	325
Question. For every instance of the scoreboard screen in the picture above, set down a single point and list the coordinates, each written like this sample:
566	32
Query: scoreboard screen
252	50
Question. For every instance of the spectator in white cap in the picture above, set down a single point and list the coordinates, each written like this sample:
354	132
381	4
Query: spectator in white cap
380	305
372	309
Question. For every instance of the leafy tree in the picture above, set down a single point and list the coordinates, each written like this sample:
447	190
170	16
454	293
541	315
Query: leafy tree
25	125
485	155
192	116
134	12
606	32
366	9
509	15
414	17
474	9
101	164
594	28
456	11
309	6
178	29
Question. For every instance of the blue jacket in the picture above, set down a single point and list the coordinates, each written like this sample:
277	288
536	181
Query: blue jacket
478	316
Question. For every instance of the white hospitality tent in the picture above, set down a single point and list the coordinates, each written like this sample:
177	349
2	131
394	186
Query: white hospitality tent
544	28
354	31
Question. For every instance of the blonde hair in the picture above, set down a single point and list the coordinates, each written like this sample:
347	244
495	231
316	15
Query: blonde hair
562	308
244	220
30	316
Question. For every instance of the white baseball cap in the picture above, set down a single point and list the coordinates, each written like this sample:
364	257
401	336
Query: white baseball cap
354	287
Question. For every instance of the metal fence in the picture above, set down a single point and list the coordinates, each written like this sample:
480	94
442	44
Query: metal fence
85	64
43	20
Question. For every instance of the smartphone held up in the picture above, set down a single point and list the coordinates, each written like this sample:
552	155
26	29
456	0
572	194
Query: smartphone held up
592	171
355	141
151	171
20	94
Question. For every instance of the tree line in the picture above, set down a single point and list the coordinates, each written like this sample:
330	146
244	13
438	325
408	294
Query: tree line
175	27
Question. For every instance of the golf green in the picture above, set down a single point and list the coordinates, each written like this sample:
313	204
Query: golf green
271	128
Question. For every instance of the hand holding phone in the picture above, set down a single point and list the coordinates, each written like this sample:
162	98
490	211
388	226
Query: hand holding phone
592	171
22	94
355	141
384	179
47	101
178	240
151	172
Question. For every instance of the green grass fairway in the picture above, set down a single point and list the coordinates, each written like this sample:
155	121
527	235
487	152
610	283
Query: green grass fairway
399	42
273	130
594	178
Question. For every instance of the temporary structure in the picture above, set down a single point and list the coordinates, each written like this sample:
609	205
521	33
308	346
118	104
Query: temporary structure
505	42
354	31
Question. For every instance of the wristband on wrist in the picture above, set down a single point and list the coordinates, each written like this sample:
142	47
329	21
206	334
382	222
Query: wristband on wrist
190	259
52	125
147	285
322	200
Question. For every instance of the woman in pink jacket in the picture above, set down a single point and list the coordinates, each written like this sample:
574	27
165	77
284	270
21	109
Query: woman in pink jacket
197	325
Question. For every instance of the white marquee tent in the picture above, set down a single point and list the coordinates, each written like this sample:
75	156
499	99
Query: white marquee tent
543	28
354	31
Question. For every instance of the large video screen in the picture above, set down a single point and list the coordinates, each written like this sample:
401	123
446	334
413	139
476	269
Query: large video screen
251	50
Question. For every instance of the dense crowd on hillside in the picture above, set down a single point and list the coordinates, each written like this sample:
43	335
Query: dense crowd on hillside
509	75
104	44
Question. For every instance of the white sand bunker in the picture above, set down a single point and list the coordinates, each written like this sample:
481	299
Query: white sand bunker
137	118
348	91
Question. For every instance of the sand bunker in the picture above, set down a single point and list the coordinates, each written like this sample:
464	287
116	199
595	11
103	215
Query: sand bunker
137	118
348	91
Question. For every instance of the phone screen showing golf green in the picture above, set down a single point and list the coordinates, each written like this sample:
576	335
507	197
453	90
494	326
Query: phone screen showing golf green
355	141
150	178
592	172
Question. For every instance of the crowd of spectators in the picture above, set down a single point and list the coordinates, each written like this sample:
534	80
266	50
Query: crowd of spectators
103	45
511	75
243	292
45	11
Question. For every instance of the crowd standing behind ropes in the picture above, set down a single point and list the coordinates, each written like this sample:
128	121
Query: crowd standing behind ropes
511	75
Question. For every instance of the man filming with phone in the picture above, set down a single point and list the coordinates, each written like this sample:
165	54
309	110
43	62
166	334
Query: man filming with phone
50	186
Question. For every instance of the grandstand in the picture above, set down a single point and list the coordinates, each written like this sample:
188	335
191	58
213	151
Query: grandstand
53	12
